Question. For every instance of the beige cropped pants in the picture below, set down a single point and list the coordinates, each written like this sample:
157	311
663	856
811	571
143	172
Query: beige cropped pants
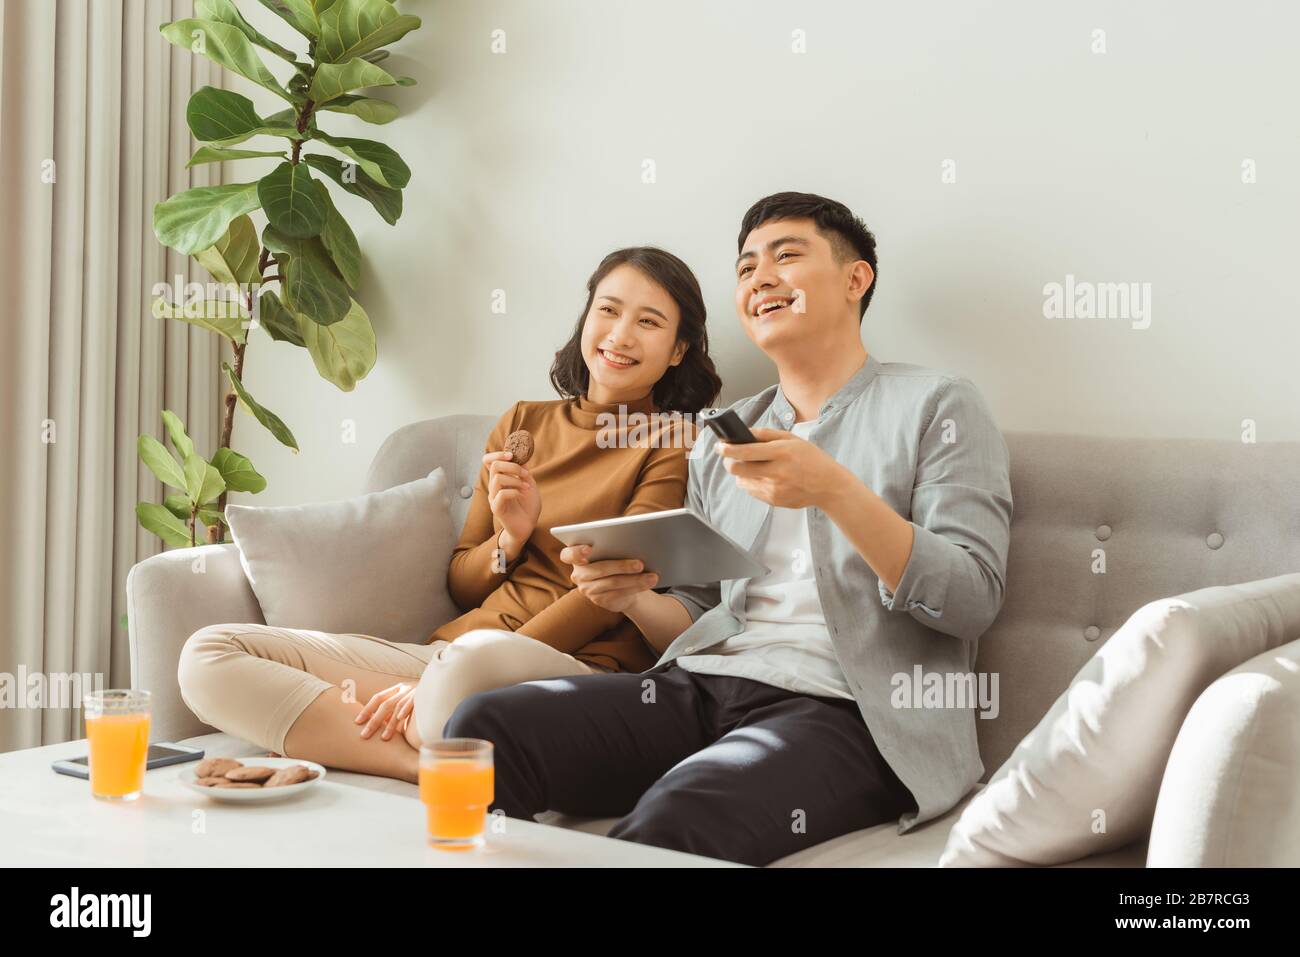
253	681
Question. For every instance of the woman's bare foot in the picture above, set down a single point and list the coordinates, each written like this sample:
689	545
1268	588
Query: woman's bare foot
327	732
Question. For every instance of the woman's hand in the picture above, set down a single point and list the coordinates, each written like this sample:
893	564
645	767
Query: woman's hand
614	585
389	709
513	497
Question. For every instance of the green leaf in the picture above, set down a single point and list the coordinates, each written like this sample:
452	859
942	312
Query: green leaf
387	202
218	154
225	317
374	56
233	258
297	86
351	28
160	461
209	516
292	204
213	484
368	108
156	519
287	117
299	14
340	241
226	45
269	419
280	324
224	11
237	472
176	429
197	218
203	483
312	286
178	504
378	160
334	79
343	352
224	118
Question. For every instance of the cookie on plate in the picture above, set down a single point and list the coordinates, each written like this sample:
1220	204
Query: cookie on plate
255	774
215	767
291	775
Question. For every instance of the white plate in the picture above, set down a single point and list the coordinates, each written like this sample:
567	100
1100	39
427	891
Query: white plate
256	795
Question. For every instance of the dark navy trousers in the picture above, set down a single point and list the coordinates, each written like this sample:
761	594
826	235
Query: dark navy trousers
715	765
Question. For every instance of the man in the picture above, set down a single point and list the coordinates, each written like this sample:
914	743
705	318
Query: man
879	496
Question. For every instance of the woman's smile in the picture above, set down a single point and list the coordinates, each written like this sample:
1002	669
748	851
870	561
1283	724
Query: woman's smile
616	359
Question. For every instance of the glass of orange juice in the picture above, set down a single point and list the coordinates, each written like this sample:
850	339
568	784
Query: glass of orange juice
117	727
456	788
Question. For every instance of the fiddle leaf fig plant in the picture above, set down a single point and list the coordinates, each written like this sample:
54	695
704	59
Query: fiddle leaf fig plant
199	483
305	245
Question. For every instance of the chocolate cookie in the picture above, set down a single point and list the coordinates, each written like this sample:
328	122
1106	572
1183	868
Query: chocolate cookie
520	444
256	774
215	767
286	776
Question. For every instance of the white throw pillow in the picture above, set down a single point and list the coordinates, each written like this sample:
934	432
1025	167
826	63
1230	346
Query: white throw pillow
1085	780
371	565
1231	792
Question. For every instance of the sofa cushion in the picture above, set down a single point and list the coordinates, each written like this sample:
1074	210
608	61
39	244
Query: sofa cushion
372	565
1231	792
1086	779
883	846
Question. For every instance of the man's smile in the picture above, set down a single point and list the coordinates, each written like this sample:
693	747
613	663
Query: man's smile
767	305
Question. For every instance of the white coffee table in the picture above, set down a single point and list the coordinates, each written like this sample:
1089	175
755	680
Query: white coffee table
49	819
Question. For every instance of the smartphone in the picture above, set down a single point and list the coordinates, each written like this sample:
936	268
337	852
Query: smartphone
160	755
727	425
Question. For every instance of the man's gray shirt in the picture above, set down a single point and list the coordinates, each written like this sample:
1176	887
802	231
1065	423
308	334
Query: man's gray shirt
927	444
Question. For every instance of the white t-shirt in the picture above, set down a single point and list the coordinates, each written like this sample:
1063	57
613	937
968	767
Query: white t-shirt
785	642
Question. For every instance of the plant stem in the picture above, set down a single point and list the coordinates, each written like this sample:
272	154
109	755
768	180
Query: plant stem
303	116
217	530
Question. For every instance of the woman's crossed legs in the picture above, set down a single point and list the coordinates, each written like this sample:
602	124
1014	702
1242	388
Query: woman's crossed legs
298	692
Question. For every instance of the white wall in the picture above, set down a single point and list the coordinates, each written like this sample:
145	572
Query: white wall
1122	166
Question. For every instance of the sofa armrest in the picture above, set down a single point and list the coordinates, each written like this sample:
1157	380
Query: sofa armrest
168	598
1230	796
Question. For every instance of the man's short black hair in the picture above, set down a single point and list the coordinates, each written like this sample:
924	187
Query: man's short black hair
849	237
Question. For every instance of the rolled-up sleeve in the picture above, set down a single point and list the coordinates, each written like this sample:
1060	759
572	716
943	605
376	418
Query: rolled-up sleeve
955	577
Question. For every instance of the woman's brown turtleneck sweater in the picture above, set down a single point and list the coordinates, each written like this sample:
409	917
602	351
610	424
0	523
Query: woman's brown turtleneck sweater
579	481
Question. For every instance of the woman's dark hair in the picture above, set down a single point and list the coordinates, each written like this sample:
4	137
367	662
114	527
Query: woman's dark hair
689	386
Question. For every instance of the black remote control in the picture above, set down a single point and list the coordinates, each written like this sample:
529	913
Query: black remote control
727	425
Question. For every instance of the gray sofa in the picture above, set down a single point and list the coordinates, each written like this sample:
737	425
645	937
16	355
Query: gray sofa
1172	516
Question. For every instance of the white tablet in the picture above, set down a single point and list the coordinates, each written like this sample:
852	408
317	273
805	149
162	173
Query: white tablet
676	543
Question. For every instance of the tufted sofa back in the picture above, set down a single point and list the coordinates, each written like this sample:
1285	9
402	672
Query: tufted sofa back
1166	516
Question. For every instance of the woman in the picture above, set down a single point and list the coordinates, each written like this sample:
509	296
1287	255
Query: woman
639	347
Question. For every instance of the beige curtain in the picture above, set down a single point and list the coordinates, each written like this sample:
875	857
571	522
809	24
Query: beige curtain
92	135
